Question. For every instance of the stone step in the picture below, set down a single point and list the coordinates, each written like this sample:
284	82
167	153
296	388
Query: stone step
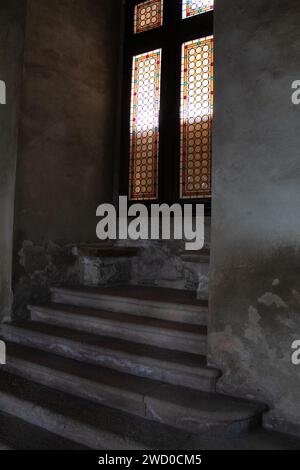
17	434
186	409
165	304
179	368
83	422
145	330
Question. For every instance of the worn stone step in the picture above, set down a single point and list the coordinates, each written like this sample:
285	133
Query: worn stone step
17	434
176	367
145	330
165	304
190	410
83	422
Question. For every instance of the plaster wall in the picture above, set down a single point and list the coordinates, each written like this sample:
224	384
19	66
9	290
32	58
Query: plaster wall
65	167
67	137
255	240
12	16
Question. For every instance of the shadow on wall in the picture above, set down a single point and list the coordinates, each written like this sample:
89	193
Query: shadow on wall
12	22
39	267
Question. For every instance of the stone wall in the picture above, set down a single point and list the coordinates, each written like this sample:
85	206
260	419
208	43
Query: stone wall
67	129
12	16
255	255
156	264
165	263
67	132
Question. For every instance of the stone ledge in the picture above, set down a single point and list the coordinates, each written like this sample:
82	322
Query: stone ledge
99	251
201	256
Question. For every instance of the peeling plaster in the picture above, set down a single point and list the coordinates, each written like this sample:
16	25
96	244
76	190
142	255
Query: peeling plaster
40	267
270	300
255	211
296	295
160	264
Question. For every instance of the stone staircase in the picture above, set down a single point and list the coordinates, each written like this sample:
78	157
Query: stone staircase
117	368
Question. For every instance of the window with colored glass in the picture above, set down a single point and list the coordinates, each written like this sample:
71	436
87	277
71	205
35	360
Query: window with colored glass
168	115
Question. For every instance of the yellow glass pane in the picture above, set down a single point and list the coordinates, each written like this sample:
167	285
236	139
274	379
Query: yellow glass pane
196	7
196	118
144	126
148	15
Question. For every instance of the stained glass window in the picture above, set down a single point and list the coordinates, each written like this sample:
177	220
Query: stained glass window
144	125
148	15
196	118
196	7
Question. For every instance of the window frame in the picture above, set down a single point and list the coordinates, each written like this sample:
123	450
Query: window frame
169	37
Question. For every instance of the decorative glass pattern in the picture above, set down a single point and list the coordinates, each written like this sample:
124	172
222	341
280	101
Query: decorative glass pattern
148	15
197	90
196	7
144	126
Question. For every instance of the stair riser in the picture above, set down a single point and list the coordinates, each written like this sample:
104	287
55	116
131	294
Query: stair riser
138	404
168	340
135	365
183	314
64	426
